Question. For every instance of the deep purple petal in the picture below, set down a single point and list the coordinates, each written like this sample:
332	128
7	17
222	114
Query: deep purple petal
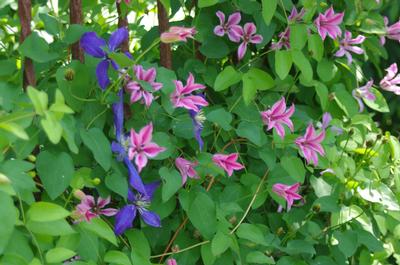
134	179
102	74
124	219
117	37
119	150
92	44
151	218
151	188
118	109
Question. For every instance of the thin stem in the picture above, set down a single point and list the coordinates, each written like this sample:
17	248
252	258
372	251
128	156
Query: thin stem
251	202
95	118
181	250
155	43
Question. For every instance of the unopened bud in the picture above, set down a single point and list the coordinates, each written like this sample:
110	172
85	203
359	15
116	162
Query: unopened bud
323	4
351	132
69	74
96	181
332	96
369	143
171	262
32	173
4	179
196	234
280	231
233	219
175	248
316	208
32	158
79	194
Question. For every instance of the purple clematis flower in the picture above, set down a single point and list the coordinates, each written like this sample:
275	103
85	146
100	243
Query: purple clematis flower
136	88
289	193
347	45
363	92
296	16
328	24
97	47
248	35
138	203
310	144
326	120
391	81
277	116
198	119
122	144
231	27
392	32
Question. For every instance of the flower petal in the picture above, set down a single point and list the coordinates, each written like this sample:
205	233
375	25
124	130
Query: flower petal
117	37
102	74
92	44
151	218
124	219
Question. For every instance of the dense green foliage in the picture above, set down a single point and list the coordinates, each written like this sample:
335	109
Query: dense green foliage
55	139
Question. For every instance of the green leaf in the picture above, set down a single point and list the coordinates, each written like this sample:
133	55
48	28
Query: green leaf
326	70
98	143
220	243
283	63
39	100
345	101
74	33
141	251
303	64
8	217
121	59
252	233
52	126
51	24
59	104
172	181
68	124
268	10
348	242
316	47
228	77
206	3
294	167
298	39
255	79
46	212
322	92
202	214
54	228
379	104
258	257
100	228
221	117
15	129
37	49
252	131
379	193
206	255
164	140
55	171
117	183
295	247
117	257
56	255
214	47
320	186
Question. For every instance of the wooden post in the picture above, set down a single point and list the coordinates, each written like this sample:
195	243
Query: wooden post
163	25
123	22
24	12
75	17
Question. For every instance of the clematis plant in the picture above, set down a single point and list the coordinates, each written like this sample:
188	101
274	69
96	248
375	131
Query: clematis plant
183	97
90	208
347	45
288	192
248	35
227	162
277	116
392	31
310	144
363	92
231	27
391	81
175	34
186	168
328	24
99	48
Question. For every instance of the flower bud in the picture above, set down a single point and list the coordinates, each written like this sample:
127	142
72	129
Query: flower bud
4	179
233	219
31	158
331	96
196	234
351	132
79	194
316	208
175	248
96	181
369	143
32	173
69	74
176	34
280	231
171	262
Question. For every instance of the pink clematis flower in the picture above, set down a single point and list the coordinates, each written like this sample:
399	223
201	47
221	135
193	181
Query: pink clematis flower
175	34
283	41
296	16
391	81
276	116
392	32
227	162
347	45
363	92
248	35
171	262
141	146
136	88
88	208
289	193
182	96
186	168
126	1
310	144
328	24
231	27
